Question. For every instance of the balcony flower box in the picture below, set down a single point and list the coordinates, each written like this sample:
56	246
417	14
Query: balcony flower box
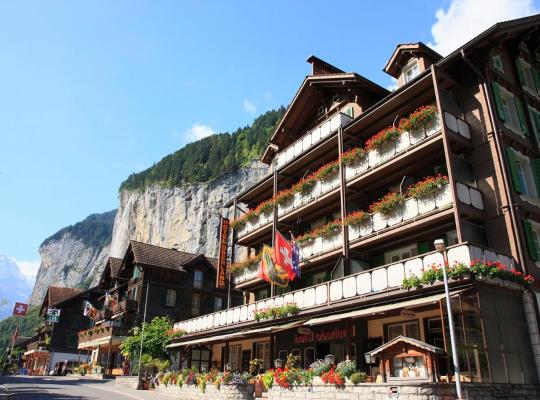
298	200
395	216
426	203
443	197
410	208
354	232
286	206
402	142
317	246
332	241
387	151
416	135
330	182
433	126
380	221
306	249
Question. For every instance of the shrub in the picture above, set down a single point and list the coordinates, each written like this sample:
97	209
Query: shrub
268	379
319	367
358	377
346	368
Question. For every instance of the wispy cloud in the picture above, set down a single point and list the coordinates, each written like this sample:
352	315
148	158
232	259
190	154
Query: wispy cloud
267	95
464	19
29	269
197	131
249	106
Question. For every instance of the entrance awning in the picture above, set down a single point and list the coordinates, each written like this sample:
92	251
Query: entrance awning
378	309
251	332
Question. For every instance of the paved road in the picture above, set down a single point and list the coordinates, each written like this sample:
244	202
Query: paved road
67	388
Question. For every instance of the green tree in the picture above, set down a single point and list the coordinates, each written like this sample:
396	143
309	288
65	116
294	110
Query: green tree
156	337
27	326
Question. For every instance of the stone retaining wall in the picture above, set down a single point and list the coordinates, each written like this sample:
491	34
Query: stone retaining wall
193	392
130	382
420	391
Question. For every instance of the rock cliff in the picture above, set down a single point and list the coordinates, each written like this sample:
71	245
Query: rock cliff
186	218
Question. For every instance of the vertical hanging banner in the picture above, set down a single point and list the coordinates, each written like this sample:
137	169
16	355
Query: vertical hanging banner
222	258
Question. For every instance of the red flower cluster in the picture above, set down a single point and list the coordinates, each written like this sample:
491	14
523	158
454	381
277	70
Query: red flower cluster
382	137
419	117
333	377
281	377
427	185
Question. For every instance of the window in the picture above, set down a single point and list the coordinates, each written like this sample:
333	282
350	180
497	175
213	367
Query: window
170	298
496	60
262	352
411	71
282	355
400	254
133	293
408	328
535	117
196	303
510	110
218	303
451	238
320	111
136	272
235	357
319	277
200	359
198	279
526	75
525	174
309	357
532	233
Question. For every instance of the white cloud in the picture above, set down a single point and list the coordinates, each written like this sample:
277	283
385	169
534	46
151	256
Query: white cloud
464	19
249	106
29	269
198	131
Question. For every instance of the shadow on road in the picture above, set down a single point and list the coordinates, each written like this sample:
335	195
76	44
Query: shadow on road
38	387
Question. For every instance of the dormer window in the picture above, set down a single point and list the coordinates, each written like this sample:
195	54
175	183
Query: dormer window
320	111
411	71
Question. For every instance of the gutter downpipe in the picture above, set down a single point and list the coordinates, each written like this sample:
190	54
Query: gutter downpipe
496	133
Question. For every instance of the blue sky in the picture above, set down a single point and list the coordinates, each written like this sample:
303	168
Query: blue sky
93	91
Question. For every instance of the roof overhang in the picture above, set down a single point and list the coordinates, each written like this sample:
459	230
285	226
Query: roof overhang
403	52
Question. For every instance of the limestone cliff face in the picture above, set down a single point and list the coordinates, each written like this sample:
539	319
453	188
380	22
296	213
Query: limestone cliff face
68	262
186	218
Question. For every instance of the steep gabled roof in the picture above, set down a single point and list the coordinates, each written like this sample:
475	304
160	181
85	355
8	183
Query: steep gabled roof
156	256
404	51
114	264
57	294
408	340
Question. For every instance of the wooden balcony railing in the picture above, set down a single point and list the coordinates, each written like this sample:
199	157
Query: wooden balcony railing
99	332
385	278
37	345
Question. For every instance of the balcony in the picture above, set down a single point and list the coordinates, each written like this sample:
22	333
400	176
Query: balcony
38	346
311	138
360	286
101	335
125	306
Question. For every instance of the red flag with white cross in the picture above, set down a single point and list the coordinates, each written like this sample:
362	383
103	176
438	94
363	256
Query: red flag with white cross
20	309
283	253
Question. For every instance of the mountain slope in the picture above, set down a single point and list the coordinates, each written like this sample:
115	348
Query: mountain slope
74	256
13	286
209	158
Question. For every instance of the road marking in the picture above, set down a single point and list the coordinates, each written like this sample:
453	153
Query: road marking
114	391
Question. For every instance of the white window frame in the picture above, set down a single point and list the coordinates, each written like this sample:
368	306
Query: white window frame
411	68
399	254
170	298
496	61
510	111
526	68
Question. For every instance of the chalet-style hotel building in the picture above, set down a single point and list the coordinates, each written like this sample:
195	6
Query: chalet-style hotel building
453	153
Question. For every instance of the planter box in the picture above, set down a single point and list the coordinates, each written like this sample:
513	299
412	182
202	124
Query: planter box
443	197
426	204
317	246
396	216
433	126
331	242
193	392
357	167
410	209
379	221
306	250
402	142
354	232
387	151
286	206
330	183
298	200
416	135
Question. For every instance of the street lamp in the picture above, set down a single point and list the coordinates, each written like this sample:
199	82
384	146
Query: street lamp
441	248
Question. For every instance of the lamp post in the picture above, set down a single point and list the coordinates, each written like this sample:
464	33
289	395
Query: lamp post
441	248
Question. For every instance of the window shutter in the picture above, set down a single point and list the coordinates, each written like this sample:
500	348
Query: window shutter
513	169
536	77
520	72
423	247
163	296
535	167
536	122
531	245
498	101
521	114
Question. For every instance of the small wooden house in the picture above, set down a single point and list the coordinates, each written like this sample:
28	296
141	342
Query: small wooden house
404	358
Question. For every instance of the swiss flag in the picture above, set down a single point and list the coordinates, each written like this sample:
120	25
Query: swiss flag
20	309
283	254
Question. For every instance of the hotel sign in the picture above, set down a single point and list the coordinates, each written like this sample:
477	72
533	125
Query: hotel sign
222	258
324	335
